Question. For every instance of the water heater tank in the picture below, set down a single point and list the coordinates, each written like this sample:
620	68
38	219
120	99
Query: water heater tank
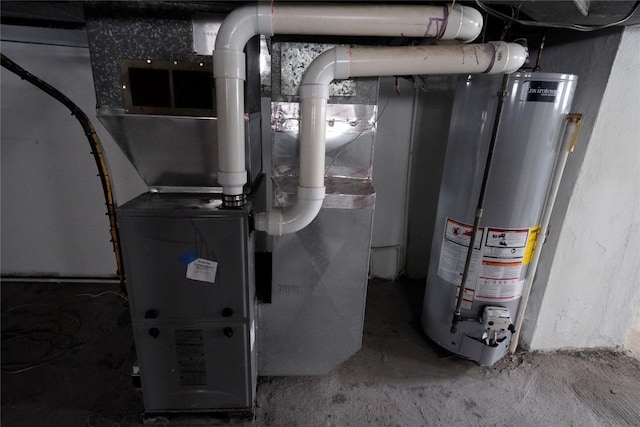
525	155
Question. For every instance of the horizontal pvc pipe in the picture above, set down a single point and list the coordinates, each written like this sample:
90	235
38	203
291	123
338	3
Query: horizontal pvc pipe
574	122
493	58
445	22
343	62
460	22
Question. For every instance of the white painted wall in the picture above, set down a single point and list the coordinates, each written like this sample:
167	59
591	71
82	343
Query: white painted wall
53	212
593	287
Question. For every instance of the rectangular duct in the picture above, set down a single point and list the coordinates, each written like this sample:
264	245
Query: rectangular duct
156	96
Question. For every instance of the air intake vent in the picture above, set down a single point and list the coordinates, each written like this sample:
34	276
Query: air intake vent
168	88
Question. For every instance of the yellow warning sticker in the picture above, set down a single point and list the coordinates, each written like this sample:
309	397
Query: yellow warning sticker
531	244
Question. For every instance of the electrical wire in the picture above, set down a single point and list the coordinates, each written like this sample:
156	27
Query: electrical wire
576	27
342	148
53	332
58	343
96	150
104	293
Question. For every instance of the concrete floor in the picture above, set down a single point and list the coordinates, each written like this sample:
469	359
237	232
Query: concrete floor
397	379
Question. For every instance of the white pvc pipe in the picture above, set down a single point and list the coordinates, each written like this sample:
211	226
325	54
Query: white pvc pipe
569	139
285	221
313	112
491	58
342	63
460	22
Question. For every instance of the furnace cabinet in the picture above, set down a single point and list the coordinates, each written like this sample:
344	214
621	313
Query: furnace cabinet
190	279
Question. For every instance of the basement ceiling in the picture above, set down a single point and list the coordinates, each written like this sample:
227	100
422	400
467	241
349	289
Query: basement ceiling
70	14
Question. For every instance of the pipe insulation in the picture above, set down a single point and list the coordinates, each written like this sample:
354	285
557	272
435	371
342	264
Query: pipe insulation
345	62
444	22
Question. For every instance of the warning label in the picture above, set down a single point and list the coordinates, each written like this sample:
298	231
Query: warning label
506	243
455	245
500	270
192	366
498	290
499	255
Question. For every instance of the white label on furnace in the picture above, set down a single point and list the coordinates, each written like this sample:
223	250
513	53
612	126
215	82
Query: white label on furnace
203	270
453	254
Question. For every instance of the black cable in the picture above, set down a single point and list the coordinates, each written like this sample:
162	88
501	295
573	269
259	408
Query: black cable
96	150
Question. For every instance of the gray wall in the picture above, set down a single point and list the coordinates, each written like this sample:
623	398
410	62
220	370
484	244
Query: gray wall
390	166
588	289
572	56
431	128
53	212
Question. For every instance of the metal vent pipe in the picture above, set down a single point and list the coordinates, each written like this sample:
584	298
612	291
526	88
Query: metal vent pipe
444	22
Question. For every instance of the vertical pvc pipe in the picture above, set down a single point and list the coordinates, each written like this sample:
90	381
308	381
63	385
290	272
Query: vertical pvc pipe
312	153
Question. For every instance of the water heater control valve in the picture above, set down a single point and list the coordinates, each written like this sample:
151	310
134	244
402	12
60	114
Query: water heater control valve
497	321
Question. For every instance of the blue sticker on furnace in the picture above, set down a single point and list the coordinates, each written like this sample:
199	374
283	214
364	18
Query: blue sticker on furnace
542	91
188	258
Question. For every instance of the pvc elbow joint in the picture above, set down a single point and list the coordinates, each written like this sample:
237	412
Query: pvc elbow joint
242	24
292	219
463	23
328	66
508	58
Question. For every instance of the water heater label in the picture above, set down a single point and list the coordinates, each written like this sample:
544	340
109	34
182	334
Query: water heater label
497	263
203	270
456	241
541	91
498	290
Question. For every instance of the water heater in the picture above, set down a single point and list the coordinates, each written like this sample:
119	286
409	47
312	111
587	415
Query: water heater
526	151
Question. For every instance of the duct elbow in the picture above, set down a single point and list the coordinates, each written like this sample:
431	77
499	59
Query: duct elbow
508	58
278	222
463	23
